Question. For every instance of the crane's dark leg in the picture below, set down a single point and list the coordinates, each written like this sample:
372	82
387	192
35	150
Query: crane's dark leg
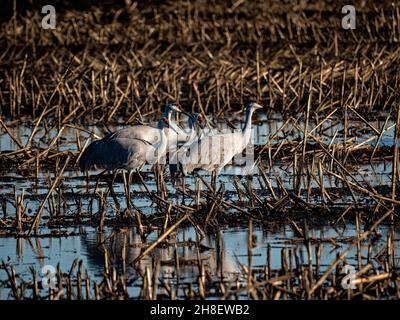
183	189
129	188
250	188
95	189
142	181
214	180
112	192
127	184
90	206
197	189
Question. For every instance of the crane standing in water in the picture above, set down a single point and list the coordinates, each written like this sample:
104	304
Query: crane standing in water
132	147
129	148
99	153
214	152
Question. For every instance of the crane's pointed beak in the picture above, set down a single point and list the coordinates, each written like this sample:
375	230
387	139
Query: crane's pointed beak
177	107
257	106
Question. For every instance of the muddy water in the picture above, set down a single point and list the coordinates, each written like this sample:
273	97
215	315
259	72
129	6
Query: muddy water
224	252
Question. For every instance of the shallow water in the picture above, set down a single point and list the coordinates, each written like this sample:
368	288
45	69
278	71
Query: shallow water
262	128
373	174
228	248
225	252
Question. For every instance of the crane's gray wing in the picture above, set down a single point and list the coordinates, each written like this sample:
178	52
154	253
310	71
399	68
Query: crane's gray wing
104	154
114	152
141	132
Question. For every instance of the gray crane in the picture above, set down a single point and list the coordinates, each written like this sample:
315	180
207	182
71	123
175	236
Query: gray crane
174	133
149	133
123	150
196	125
127	147
214	152
130	148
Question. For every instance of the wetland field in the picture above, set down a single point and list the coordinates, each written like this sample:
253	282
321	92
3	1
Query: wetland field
316	217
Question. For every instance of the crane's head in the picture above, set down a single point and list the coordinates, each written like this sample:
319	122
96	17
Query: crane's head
170	107
253	106
196	118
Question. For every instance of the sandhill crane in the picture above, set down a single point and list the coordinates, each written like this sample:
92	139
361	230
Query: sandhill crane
115	150
214	152
195	122
131	147
119	150
128	148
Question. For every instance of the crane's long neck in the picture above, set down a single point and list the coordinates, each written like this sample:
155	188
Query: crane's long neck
246	131
174	126
162	145
195	130
176	134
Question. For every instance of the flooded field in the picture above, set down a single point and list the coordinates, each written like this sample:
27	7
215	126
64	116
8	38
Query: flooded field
224	257
97	241
314	216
